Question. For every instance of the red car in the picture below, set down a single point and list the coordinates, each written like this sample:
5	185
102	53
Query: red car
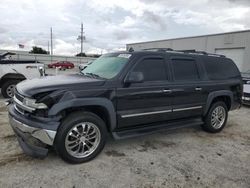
62	64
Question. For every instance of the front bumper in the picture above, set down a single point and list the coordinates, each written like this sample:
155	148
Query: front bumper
33	137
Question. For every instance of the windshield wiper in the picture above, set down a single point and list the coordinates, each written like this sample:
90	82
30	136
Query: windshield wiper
93	75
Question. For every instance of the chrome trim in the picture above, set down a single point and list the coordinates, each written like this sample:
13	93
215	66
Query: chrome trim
145	113
189	108
198	89
27	108
15	106
44	135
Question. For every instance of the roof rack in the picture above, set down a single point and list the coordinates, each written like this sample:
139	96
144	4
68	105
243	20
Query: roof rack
183	51
200	52
158	49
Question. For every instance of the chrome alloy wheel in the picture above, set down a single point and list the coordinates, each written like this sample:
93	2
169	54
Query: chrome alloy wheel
10	90
218	117
82	139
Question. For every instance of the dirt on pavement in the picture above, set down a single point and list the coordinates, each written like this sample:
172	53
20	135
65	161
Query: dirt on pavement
186	157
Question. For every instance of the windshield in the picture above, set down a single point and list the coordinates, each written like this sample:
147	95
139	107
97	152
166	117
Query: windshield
107	66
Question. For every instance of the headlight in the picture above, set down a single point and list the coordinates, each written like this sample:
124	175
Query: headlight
32	103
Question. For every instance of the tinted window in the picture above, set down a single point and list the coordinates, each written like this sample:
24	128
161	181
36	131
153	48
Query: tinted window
185	69
220	68
153	69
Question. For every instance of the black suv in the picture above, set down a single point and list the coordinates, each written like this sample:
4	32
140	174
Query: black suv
124	94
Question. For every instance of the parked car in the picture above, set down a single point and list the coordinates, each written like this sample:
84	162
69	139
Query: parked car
62	65
246	88
15	71
124	94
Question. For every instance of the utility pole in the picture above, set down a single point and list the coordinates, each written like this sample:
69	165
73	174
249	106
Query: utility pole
51	42
48	47
81	37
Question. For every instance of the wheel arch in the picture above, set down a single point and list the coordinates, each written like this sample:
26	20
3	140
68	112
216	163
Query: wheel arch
100	106
14	76
223	95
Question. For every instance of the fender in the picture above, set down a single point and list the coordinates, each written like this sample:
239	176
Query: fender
215	94
81	102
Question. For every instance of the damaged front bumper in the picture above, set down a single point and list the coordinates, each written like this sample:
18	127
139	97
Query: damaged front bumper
33	135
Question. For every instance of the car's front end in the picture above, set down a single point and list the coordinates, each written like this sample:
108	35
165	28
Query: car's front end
34	133
29	109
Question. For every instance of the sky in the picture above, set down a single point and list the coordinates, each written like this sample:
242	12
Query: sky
110	24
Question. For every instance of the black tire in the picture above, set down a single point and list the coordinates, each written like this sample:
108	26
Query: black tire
72	120
208	127
6	85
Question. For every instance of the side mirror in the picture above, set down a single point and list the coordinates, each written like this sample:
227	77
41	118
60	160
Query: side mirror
41	71
134	77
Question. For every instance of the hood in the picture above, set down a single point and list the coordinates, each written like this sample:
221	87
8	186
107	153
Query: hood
52	83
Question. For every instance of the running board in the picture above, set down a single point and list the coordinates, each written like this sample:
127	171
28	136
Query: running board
140	131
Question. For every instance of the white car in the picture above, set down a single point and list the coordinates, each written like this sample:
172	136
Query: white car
246	88
15	71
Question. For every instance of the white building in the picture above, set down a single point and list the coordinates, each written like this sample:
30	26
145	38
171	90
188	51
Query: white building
235	45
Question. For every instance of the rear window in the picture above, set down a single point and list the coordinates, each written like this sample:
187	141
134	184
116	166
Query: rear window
220	68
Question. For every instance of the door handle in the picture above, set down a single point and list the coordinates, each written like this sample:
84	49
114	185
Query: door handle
198	89
167	91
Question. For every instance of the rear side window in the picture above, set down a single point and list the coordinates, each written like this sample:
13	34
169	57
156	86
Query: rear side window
220	68
153	69
185	70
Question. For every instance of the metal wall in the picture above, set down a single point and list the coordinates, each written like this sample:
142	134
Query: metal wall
224	42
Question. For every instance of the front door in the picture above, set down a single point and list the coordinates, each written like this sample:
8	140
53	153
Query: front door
146	102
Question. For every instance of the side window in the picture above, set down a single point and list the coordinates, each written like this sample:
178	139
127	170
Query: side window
153	69
185	69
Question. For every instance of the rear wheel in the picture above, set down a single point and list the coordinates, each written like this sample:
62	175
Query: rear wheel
81	137
216	118
8	88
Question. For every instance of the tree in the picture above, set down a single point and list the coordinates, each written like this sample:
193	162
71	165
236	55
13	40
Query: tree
81	55
38	50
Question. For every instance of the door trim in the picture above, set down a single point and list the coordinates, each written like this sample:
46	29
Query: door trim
189	108
160	112
145	113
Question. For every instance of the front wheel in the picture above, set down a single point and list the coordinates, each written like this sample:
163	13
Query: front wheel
8	88
216	118
81	137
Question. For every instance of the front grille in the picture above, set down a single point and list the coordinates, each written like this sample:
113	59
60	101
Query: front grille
18	103
18	96
20	110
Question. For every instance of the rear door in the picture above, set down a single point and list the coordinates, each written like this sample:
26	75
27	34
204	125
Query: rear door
144	103
189	95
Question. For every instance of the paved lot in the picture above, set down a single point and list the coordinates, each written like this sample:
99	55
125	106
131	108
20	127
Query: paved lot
181	158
